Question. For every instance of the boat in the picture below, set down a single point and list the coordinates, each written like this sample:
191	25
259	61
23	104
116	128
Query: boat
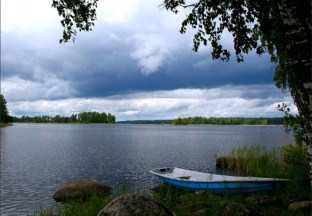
197	181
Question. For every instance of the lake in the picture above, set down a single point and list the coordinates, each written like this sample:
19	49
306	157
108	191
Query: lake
36	159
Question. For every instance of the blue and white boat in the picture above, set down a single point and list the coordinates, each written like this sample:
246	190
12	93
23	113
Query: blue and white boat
196	181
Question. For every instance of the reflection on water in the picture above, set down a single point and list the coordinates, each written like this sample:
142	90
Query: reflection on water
37	158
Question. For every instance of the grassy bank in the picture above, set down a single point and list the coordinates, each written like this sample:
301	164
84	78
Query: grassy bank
5	124
289	161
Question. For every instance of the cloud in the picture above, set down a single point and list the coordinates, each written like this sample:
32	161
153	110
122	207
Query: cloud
17	89
225	101
121	63
134	63
30	16
150	53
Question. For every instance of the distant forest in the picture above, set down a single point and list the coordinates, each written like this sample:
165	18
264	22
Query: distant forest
228	121
84	117
96	117
146	122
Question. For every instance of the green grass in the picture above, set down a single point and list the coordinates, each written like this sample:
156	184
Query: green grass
5	124
89	207
290	161
92	207
186	203
256	161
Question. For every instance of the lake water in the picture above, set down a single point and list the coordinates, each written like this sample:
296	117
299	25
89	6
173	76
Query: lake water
38	158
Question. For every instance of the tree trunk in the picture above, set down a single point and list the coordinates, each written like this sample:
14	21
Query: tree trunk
296	17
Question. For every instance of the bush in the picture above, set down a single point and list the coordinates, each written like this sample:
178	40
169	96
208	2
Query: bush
296	166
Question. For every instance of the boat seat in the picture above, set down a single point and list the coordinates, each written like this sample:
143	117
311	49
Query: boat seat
184	177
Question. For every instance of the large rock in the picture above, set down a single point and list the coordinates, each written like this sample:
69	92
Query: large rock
201	212
80	190
305	206
262	200
134	205
236	209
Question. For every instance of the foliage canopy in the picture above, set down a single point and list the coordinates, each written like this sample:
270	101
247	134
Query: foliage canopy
4	113
83	117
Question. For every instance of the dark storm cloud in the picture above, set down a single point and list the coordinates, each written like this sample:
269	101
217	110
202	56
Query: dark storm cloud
122	62
180	73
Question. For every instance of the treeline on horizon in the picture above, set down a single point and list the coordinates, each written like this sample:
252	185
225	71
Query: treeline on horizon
146	122
84	117
228	121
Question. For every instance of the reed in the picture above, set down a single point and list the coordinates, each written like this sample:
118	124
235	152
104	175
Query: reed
256	161
289	161
89	207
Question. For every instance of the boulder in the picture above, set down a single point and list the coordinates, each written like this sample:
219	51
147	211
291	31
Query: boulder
134	205
262	200
201	212
236	209
80	190
305	206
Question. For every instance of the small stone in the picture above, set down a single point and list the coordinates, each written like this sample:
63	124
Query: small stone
134	205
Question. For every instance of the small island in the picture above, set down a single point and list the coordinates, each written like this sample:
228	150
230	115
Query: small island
83	117
5	118
228	121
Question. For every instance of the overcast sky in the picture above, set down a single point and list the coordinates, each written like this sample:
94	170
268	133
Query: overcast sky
134	64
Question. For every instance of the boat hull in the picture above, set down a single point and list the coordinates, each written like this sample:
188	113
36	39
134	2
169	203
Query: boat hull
198	181
220	187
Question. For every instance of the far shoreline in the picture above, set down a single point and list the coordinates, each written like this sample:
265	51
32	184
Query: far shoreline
123	123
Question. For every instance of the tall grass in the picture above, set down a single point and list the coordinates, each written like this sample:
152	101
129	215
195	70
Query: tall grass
256	161
89	207
289	161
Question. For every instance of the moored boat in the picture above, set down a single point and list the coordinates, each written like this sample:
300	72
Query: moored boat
195	181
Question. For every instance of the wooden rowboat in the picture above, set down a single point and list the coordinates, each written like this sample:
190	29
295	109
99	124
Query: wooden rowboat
195	181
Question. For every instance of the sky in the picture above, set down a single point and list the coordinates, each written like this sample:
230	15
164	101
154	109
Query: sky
135	64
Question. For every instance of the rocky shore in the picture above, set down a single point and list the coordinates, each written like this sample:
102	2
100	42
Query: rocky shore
136	204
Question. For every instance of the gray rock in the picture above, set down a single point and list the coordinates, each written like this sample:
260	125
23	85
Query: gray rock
201	212
80	190
262	200
134	205
236	209
301	206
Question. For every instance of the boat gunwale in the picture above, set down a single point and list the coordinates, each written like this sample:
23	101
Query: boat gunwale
245	180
